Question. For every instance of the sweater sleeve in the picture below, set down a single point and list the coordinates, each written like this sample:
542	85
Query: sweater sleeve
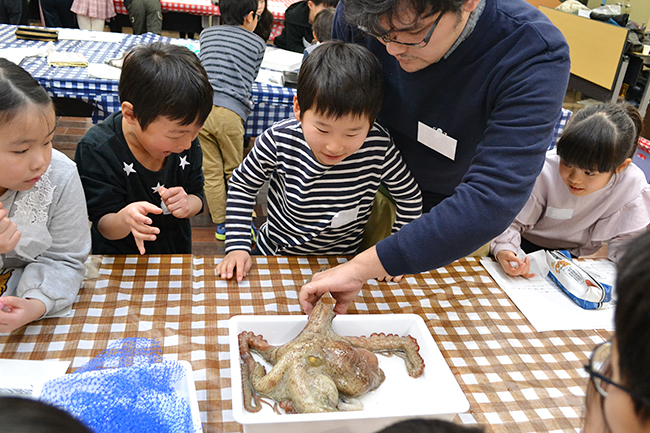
500	178
510	239
625	224
56	275
195	180
402	188
243	187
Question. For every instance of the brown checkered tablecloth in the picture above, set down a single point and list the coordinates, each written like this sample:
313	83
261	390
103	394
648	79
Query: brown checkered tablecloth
516	379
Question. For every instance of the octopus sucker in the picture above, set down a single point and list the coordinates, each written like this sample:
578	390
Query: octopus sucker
319	370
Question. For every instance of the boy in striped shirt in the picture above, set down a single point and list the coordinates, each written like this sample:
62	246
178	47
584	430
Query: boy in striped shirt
324	167
231	55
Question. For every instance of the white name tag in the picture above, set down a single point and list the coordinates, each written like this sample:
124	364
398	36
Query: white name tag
437	140
344	217
559	214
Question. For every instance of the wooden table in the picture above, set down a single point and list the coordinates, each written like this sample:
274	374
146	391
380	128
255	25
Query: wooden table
515	378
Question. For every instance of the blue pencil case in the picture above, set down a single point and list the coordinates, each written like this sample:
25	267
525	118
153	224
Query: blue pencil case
577	283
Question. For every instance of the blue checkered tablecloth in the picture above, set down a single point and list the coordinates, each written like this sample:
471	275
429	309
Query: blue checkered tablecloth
272	103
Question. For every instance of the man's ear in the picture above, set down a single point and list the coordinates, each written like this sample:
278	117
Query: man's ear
127	113
296	107
470	5
248	19
310	5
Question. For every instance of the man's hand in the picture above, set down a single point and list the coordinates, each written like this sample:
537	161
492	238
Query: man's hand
513	266
16	312
9	234
176	200
135	217
239	259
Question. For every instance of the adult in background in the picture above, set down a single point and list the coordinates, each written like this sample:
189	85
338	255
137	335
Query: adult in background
473	91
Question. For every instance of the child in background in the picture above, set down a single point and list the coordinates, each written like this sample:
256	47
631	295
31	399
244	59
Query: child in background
44	234
265	21
92	14
322	29
297	33
141	167
324	166
145	15
588	194
231	55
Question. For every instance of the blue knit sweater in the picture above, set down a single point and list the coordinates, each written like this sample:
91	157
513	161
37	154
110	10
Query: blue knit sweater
499	95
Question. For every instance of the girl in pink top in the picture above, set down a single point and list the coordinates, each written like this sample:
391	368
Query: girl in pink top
589	192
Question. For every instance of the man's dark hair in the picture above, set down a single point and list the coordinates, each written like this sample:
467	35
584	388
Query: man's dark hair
328	3
366	13
165	80
632	320
233	12
337	79
23	415
419	425
323	24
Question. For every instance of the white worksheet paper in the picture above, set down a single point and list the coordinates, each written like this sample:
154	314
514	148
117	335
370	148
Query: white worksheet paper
542	302
22	378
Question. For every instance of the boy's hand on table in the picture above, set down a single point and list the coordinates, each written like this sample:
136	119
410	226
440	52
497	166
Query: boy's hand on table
135	217
389	278
9	234
513	266
16	312
239	259
176	200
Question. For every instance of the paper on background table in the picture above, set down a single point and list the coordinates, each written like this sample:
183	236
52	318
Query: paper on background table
16	55
99	70
26	378
278	59
84	35
545	305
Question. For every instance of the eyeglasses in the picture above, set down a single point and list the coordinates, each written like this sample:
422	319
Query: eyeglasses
599	369
386	39
257	16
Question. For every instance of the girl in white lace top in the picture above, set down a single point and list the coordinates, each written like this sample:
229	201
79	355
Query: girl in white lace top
44	232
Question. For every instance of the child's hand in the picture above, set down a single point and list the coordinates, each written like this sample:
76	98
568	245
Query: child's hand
239	259
513	266
388	278
135	217
9	234
176	201
16	312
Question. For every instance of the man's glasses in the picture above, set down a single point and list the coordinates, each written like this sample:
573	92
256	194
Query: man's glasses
257	16
599	369
387	39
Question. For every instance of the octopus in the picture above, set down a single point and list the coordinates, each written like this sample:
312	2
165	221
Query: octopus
319	370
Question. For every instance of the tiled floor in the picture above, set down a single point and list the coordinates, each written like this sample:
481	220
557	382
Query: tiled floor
68	132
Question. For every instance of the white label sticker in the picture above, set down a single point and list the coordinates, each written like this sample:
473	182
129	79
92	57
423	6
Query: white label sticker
437	140
344	217
559	214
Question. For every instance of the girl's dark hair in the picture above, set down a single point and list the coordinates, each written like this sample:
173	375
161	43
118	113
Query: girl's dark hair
22	415
601	137
632	320
18	88
420	425
337	79
366	13
264	25
233	12
165	80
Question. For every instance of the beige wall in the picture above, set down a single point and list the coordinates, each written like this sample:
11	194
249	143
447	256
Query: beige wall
639	12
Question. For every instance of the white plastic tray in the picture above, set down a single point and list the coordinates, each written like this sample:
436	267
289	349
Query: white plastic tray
435	394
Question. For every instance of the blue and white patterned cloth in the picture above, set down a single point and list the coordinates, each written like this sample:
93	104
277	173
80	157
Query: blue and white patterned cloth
272	103
559	127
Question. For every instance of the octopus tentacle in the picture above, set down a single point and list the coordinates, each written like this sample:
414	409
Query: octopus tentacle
405	347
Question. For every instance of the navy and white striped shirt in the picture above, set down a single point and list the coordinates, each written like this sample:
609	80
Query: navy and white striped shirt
315	208
232	55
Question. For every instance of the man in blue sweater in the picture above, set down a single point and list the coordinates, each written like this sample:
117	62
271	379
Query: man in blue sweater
473	90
